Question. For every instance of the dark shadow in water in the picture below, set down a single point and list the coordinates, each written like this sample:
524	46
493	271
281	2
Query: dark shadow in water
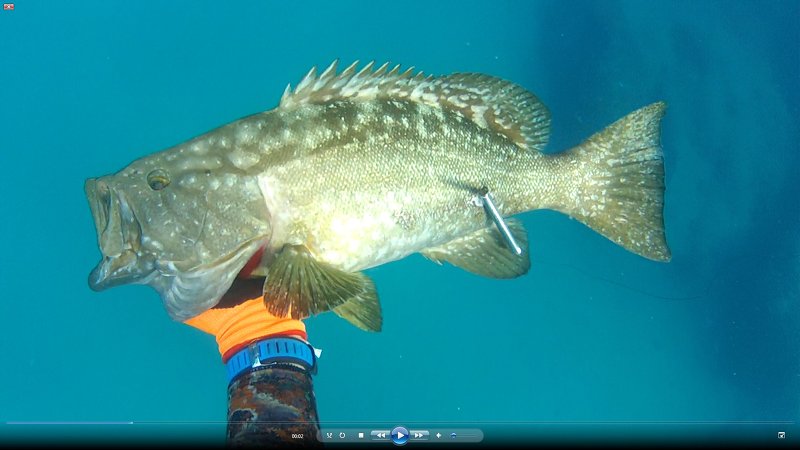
574	52
753	313
752	323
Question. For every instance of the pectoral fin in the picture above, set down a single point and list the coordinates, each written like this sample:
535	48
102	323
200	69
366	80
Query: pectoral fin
363	311
485	253
299	286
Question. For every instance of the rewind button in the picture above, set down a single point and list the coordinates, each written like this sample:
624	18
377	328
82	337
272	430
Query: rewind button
380	435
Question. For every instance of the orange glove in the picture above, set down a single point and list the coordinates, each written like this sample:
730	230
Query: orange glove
241	318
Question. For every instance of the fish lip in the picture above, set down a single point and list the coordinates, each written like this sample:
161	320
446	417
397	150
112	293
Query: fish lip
98	276
98	195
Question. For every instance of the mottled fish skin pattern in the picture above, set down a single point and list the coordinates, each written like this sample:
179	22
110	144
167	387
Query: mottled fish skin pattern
378	197
357	169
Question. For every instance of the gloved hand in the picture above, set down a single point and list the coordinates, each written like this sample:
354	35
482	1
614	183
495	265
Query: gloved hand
241	318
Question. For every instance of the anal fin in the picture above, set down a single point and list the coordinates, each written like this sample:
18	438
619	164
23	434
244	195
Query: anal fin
299	286
485	252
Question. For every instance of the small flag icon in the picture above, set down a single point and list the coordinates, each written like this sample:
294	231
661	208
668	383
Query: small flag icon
8	6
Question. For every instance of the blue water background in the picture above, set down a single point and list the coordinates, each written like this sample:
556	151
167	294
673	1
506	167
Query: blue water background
592	333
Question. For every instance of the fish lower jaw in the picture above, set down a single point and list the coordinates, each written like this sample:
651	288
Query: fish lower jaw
128	267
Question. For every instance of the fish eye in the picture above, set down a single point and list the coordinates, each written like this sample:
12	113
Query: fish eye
157	179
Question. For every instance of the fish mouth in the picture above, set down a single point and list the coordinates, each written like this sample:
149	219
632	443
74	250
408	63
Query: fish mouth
119	237
118	270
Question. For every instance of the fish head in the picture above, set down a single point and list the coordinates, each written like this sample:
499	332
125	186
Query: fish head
184	228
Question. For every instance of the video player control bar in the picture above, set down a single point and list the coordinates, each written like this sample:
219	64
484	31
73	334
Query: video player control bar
400	435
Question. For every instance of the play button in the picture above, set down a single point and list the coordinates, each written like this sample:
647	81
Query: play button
399	436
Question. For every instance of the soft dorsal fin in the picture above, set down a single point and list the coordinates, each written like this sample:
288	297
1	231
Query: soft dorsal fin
489	102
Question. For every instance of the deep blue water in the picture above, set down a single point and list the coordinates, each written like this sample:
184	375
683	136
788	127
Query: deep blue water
595	333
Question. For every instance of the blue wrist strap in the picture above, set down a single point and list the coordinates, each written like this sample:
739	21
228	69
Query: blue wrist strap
271	351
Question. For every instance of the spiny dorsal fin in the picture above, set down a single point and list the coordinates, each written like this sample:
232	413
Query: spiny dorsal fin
489	102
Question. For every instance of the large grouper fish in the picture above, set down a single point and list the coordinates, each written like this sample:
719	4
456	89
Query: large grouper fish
359	168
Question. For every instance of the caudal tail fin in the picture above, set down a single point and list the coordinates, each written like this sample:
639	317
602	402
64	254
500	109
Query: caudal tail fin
619	174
